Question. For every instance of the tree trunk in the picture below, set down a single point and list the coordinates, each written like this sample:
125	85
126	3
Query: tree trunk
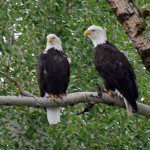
136	28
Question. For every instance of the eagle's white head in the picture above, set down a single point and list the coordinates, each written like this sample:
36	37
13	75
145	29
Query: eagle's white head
53	41
96	34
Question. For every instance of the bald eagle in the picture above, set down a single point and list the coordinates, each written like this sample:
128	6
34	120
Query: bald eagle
113	67
53	74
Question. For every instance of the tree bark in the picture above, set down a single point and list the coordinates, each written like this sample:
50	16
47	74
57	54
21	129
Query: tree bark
69	100
136	28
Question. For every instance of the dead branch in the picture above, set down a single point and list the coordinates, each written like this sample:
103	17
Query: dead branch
69	100
28	99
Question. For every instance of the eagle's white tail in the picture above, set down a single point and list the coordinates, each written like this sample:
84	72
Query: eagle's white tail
128	107
53	115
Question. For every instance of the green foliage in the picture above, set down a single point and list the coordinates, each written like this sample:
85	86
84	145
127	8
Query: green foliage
105	127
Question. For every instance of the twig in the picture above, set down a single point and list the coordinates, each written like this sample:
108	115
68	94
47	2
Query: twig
11	37
17	84
86	109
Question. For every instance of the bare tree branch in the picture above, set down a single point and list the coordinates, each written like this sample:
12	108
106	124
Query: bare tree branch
28	99
17	84
69	100
136	28
11	37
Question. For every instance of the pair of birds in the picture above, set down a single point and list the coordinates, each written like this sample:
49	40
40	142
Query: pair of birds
112	65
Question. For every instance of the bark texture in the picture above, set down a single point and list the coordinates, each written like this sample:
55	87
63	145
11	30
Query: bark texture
69	100
130	17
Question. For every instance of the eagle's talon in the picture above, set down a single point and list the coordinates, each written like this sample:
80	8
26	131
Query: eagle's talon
107	92
62	95
53	97
110	94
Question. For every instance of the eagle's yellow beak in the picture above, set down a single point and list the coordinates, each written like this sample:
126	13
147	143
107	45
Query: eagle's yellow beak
50	40
87	32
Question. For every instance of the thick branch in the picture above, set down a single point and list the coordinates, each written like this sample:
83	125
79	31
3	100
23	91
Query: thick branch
70	99
130	17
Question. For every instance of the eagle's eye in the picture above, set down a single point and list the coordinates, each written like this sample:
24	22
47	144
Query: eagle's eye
93	30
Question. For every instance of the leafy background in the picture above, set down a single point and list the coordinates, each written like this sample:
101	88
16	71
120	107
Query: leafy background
28	22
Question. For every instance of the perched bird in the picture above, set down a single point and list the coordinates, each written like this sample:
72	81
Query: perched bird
113	67
53	74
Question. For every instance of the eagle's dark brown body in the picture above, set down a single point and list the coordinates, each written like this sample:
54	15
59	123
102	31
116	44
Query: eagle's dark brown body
116	72
53	72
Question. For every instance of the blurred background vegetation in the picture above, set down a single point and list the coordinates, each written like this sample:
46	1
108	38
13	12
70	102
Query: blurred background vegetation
24	25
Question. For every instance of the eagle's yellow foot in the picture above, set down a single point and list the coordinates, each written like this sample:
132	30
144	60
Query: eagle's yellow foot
106	91
56	96
61	95
51	96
